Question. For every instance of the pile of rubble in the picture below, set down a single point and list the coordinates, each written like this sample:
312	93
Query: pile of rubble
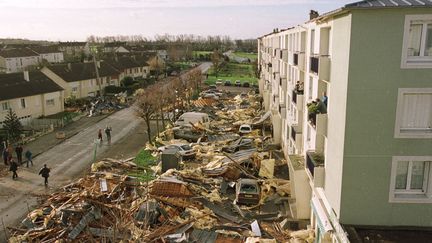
234	188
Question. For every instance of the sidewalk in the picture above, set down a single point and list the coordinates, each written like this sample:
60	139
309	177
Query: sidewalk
45	142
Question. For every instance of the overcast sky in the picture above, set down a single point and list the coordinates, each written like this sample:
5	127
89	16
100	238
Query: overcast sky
76	19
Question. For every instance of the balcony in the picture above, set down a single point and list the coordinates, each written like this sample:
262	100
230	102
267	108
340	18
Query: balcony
282	111
320	65
295	95
314	64
319	122
297	137
296	59
285	55
313	161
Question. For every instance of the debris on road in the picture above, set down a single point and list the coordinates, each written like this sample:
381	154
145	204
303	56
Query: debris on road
232	190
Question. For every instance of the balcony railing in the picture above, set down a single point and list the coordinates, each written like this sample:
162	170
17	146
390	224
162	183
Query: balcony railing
314	64
296	59
314	160
295	93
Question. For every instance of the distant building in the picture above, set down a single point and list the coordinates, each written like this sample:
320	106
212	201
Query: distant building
74	50
364	157
79	80
30	95
133	66
17	60
51	54
111	47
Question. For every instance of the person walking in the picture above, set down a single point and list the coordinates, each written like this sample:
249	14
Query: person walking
5	156
28	155
19	152
108	134
100	136
13	167
44	172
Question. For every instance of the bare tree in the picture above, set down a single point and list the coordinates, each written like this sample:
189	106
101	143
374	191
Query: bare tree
145	106
157	65
217	60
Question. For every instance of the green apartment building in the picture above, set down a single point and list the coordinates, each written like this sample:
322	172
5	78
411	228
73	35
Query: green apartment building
373	60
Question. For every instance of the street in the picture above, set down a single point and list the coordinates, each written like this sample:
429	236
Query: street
67	161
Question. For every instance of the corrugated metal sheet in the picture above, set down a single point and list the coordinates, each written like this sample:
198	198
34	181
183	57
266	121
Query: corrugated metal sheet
204	236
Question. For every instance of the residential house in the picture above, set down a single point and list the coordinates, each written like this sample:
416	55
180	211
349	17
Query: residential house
111	47
75	50
17	60
50	54
365	160
30	95
129	66
80	80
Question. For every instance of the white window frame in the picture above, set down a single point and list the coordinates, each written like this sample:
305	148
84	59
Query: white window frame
416	62
23	103
411	196
5	104
49	101
399	110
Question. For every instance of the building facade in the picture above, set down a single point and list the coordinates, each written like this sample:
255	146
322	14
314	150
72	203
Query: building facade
360	155
30	95
18	60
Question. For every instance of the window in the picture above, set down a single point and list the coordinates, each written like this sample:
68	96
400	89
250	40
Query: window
411	179
414	113
417	42
50	102
74	89
23	103
5	106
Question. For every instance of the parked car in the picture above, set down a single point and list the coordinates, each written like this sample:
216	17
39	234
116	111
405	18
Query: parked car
247	191
211	87
237	83
239	144
185	150
245	128
246	84
219	82
192	117
227	83
212	91
187	133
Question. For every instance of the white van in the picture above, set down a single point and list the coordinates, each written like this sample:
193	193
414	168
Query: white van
193	117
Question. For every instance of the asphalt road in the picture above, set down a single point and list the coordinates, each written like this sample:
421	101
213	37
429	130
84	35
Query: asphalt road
67	161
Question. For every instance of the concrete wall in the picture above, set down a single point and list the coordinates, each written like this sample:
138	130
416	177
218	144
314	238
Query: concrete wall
53	57
337	111
374	78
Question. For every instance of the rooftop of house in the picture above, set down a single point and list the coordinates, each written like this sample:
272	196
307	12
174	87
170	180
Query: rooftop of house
19	52
13	85
45	49
114	44
73	72
123	62
389	3
72	43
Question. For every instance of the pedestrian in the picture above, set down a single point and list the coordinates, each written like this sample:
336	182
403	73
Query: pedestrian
13	167
44	172
5	156
28	155
10	152
100	136
324	98
19	151
108	134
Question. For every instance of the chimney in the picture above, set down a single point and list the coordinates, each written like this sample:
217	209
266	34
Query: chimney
313	14
26	76
69	66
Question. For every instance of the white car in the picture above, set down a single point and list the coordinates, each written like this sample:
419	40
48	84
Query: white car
185	150
245	128
210	96
219	82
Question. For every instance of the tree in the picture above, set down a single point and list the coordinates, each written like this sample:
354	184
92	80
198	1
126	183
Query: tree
145	107
217	61
127	81
157	65
13	126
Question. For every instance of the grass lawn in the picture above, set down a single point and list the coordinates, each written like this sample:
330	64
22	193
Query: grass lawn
251	56
144	160
233	72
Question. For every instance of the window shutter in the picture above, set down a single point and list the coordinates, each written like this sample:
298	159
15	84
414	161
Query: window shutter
417	112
